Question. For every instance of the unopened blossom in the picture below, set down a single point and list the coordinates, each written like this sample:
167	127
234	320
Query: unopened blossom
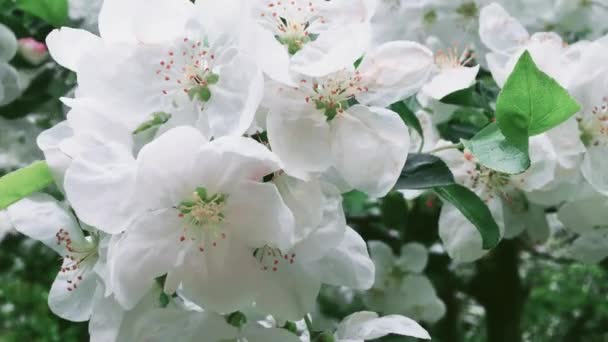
316	127
33	51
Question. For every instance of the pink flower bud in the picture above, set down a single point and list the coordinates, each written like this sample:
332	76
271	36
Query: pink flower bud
32	50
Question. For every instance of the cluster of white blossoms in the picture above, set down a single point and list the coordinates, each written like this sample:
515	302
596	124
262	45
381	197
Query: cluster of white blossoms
568	162
204	155
208	145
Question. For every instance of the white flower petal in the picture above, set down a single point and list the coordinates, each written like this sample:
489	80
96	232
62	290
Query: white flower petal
235	98
357	136
303	144
165	174
450	80
100	186
74	305
149	249
256	213
332	51
49	142
288	293
40	217
349	264
116	20
460	238
394	71
594	165
590	248
499	31
67	46
366	325
384	260
413	258
222	278
159	21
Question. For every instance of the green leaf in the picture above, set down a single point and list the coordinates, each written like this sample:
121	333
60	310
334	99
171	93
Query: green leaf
394	210
465	97
22	183
494	151
531	102
424	171
54	12
408	116
158	119
474	209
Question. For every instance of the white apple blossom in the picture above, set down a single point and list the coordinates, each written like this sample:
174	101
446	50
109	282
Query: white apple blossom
196	211
590	89
400	286
162	57
326	251
311	37
77	286
334	134
454	74
501	193
507	40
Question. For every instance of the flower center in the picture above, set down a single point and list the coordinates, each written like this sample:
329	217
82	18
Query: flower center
493	182
272	259
594	127
188	69
203	216
290	21
79	258
335	93
451	59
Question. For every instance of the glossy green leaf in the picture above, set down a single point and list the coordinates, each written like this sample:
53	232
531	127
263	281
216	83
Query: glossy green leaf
465	97
408	116
394	210
22	183
531	102
54	12
493	150
424	171
474	209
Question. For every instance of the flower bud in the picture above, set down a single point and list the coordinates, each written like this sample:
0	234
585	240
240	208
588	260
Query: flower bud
32	50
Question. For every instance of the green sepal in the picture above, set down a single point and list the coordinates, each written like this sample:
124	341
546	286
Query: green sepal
158	119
